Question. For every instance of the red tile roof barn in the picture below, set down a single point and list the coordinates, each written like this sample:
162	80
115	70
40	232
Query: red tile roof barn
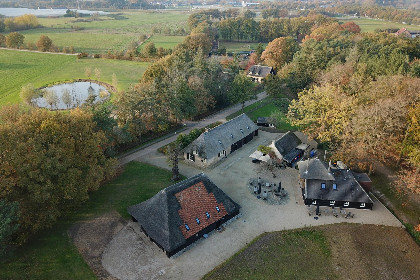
195	201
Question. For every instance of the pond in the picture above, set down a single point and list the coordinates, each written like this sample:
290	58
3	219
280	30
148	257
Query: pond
14	12
70	95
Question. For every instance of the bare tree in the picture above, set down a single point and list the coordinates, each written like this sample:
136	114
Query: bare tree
51	97
66	98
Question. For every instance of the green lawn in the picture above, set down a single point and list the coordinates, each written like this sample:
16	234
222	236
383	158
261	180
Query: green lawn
20	68
108	33
296	254
370	25
266	108
51	255
239	46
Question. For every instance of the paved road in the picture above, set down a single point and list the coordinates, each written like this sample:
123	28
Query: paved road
219	116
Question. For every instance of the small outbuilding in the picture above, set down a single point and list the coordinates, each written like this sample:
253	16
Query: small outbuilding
258	72
332	185
265	122
217	143
289	148
182	213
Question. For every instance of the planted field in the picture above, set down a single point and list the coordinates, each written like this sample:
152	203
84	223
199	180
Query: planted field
52	255
21	68
114	32
370	25
341	251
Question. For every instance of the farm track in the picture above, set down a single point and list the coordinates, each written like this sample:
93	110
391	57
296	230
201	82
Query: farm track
33	51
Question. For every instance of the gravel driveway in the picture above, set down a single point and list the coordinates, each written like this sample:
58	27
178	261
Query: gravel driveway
130	255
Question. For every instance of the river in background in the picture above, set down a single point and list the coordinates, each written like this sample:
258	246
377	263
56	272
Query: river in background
14	12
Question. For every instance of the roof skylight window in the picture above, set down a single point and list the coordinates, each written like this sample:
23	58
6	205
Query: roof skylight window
334	186
187	227
197	220
217	208
220	142
323	186
207	215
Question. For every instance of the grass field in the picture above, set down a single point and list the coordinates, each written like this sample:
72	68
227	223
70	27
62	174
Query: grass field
370	25
20	68
53	256
108	33
281	255
166	42
239	46
340	251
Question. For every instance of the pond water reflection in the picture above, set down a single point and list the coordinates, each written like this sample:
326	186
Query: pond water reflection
70	95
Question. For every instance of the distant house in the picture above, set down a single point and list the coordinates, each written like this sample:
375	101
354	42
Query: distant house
334	186
289	148
182	213
407	33
264	121
217	143
258	72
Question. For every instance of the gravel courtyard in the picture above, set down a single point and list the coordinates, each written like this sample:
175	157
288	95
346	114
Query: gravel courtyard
130	255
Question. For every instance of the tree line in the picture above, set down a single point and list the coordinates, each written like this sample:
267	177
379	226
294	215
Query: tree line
15	40
357	93
245	28
19	23
409	16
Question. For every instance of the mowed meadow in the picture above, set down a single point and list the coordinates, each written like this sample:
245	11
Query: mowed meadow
19	68
114	32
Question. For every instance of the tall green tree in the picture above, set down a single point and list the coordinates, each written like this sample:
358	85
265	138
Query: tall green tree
49	162
242	90
9	215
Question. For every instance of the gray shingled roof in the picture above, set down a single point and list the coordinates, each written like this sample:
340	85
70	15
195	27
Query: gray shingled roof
220	138
316	172
287	143
314	169
259	71
348	189
159	215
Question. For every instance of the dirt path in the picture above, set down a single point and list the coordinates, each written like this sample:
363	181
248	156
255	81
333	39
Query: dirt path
33	51
91	238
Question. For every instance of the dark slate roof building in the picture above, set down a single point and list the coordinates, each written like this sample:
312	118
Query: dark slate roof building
326	185
289	148
220	141
264	121
180	214
259	72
